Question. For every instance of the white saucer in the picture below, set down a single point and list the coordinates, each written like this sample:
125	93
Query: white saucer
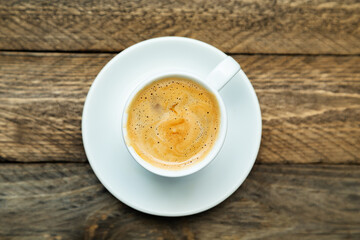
122	175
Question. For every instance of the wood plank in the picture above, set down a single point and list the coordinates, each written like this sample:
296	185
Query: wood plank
66	201
41	101
257	26
310	106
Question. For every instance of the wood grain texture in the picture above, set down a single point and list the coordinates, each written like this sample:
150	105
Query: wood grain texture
256	26
41	102
310	106
66	201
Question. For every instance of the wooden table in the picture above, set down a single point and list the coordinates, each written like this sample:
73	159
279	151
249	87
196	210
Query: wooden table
302	57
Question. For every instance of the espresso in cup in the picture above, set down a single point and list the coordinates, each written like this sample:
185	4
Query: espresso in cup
173	123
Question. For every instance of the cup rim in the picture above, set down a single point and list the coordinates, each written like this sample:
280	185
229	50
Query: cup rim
215	149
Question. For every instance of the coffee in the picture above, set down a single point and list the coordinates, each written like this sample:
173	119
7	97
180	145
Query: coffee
173	123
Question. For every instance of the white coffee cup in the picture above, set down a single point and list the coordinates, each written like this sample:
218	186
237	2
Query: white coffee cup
214	81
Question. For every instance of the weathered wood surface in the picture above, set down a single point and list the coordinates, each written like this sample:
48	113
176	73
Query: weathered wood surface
66	201
257	26
41	102
310	106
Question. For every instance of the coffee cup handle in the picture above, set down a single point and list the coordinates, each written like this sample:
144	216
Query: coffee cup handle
222	73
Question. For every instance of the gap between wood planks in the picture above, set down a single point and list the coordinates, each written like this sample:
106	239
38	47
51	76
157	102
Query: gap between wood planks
227	53
7	162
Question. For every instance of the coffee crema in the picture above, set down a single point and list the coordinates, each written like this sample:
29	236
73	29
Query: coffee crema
173	123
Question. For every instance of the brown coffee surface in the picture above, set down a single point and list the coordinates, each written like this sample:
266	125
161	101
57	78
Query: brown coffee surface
173	123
